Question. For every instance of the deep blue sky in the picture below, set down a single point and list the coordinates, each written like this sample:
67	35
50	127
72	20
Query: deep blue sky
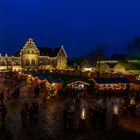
78	24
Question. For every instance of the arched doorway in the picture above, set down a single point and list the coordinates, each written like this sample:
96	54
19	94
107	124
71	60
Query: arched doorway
27	62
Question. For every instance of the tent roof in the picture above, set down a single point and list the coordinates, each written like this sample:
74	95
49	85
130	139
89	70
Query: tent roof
49	79
111	80
75	81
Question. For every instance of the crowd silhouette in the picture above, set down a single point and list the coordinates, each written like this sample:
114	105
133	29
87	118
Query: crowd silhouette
96	112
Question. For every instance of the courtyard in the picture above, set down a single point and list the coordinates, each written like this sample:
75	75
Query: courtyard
50	122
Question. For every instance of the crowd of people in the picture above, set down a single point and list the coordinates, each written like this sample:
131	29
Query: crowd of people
95	116
70	116
10	88
129	107
29	113
3	114
10	93
96	113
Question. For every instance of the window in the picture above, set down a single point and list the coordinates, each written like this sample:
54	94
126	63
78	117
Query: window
27	62
44	62
40	61
33	62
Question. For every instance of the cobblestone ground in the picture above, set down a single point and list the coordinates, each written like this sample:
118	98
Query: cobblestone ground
130	123
50	119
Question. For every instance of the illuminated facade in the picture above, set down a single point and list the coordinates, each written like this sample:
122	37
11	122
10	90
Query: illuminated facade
115	66
32	57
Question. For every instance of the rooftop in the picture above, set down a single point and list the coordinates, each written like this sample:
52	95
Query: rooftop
116	80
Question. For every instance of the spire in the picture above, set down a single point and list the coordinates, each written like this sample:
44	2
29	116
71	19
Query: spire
62	46
30	40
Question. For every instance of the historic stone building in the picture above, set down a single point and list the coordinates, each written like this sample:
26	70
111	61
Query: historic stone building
32	57
115	66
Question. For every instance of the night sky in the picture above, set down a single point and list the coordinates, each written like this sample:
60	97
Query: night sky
77	24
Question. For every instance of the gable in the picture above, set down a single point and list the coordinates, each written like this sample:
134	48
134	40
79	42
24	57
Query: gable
29	48
119	66
62	52
111	65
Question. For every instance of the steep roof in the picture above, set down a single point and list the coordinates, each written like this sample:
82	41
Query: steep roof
49	79
132	66
111	65
116	80
52	52
128	65
136	81
76	81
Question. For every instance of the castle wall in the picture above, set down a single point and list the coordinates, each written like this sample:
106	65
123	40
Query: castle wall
30	59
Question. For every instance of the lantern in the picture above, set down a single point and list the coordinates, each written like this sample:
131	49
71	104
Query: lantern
83	114
116	109
132	102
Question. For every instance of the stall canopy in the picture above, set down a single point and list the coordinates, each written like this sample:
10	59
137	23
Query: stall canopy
78	84
111	80
50	79
111	83
136	85
57	83
136	82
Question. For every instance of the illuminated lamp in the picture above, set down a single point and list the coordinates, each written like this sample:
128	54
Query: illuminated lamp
29	76
83	114
53	84
87	69
116	109
138	78
48	97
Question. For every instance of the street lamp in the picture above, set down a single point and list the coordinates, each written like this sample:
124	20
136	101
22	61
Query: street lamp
115	115
116	109
132	102
132	107
83	114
